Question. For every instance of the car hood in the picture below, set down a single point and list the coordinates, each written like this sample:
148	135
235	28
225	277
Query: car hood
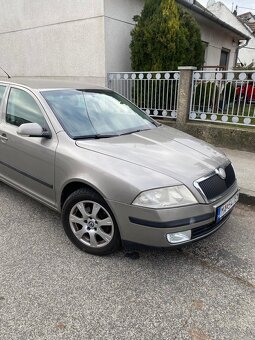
163	149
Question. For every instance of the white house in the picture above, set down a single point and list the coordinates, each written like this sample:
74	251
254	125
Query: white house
72	38
86	39
246	53
222	39
248	19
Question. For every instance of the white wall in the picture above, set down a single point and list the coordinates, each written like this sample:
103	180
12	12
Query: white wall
118	25
21	14
53	38
84	39
217	38
246	55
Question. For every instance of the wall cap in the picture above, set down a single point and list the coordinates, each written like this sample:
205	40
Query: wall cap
180	68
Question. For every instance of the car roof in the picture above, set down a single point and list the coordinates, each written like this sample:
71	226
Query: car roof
44	83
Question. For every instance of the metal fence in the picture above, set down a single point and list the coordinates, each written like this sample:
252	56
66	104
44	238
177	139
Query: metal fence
154	92
223	97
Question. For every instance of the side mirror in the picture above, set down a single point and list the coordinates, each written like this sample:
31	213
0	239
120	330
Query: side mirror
33	130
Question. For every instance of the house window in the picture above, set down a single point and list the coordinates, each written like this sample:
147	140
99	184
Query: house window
224	58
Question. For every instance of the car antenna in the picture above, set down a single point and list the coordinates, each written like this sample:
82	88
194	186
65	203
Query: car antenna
5	72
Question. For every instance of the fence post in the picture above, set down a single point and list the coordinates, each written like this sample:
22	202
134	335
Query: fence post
184	95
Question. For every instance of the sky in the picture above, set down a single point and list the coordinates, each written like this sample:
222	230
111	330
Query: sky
234	3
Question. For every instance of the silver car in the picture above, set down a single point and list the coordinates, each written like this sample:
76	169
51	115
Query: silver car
113	173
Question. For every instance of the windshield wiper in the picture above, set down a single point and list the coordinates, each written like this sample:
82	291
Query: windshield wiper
134	131
96	136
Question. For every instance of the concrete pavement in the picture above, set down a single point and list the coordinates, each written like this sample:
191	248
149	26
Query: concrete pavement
49	290
244	165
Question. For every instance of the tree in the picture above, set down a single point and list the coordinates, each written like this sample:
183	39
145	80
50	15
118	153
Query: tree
165	37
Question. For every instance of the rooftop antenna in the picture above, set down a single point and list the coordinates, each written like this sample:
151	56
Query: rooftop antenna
5	72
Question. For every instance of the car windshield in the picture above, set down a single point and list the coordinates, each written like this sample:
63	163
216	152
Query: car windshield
96	113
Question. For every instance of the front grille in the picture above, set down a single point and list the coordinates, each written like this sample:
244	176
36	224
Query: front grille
215	186
204	230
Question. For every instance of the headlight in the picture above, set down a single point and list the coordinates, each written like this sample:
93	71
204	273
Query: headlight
165	197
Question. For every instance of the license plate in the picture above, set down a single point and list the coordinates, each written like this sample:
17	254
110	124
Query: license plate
226	207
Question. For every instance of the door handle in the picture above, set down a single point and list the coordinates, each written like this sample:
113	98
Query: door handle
3	137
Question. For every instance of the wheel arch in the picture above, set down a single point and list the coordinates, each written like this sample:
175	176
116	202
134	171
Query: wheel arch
74	185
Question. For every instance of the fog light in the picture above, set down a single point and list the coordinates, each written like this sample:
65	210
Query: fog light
180	237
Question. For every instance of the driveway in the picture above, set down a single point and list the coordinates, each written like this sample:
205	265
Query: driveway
51	290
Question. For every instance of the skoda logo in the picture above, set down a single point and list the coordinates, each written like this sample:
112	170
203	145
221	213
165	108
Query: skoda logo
221	172
91	224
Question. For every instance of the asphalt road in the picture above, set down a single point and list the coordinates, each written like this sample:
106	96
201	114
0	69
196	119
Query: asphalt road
51	290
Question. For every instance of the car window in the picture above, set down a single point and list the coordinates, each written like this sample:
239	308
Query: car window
2	89
84	113
22	108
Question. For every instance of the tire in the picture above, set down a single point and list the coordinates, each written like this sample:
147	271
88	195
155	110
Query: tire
89	223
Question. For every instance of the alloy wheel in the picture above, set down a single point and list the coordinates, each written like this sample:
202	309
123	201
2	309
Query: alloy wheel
91	224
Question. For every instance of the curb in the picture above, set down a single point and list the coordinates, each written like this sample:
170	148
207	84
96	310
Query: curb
246	197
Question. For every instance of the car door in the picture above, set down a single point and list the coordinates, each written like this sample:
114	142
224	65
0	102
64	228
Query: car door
3	90
27	162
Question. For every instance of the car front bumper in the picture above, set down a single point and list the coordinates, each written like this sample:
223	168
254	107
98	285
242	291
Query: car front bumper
151	226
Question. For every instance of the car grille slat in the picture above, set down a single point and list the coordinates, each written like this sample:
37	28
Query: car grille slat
214	186
204	230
